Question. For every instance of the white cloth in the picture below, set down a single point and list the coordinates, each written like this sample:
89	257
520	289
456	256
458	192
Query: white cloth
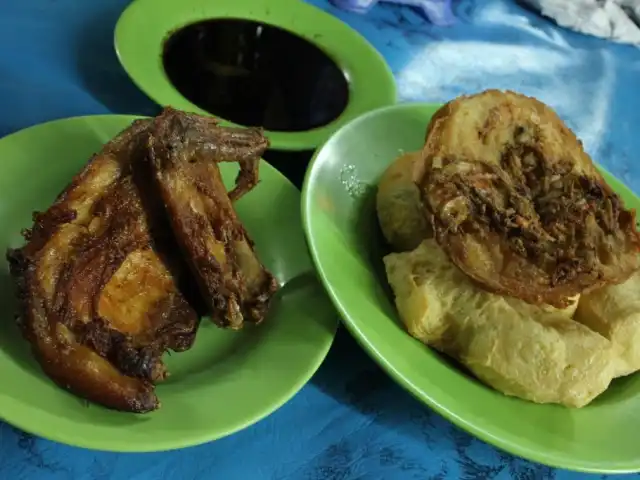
616	20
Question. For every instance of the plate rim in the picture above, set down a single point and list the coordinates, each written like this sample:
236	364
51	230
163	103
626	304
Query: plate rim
324	344
357	69
396	374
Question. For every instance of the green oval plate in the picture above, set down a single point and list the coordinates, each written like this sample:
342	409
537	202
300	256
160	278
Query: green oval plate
338	210
143	27
228	380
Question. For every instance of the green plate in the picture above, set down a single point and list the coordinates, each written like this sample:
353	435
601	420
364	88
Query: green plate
228	380
145	24
342	232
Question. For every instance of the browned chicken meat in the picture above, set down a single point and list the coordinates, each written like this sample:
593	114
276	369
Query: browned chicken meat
101	278
518	205
99	301
184	151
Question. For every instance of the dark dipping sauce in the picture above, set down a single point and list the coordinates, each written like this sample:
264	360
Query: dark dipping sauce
292	165
254	74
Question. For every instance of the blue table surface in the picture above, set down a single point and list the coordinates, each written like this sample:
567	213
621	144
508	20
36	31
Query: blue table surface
351	421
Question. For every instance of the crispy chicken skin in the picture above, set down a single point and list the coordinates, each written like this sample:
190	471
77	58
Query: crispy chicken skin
518	205
98	302
184	152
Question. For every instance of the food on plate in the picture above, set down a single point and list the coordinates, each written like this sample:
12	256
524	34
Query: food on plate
519	349
518	205
184	151
614	312
527	271
400	214
101	285
91	326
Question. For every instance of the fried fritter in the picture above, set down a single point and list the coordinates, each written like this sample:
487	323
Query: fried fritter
399	205
99	301
184	151
518	205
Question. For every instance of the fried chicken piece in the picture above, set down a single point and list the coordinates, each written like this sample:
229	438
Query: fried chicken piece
184	151
518	205
99	303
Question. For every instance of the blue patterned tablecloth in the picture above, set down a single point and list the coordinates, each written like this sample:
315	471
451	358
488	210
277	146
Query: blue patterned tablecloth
351	421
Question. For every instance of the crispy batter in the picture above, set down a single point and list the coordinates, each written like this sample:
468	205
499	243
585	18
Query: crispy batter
184	152
518	205
99	304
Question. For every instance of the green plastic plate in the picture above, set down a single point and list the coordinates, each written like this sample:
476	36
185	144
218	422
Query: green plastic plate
228	380
341	226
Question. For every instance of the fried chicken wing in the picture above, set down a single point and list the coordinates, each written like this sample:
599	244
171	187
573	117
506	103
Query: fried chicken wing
184	151
99	301
518	205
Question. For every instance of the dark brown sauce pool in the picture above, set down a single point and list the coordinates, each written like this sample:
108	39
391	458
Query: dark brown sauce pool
255	74
292	165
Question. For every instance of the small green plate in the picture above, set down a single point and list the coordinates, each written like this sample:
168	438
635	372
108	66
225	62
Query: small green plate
144	26
228	380
341	226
